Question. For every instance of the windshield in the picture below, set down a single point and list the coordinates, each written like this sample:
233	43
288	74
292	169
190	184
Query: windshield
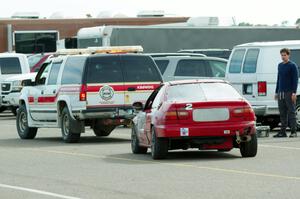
34	59
200	92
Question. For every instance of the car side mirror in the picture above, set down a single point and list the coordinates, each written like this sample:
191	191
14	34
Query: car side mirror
27	82
138	106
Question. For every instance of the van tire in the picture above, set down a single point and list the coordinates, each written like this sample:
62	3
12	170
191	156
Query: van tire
24	131
103	130
249	149
159	146
298	113
67	134
135	143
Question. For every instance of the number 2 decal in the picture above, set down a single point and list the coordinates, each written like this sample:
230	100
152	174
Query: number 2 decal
189	107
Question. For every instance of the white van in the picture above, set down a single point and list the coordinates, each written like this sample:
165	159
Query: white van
252	69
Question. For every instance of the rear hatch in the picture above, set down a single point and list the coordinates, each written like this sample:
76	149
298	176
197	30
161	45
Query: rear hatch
120	80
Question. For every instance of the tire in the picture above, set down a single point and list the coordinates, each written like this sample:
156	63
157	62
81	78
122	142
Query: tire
135	143
2	109
67	135
298	114
103	130
249	149
24	131
14	110
159	146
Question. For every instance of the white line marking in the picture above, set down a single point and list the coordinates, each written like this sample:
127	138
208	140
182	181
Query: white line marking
37	191
278	147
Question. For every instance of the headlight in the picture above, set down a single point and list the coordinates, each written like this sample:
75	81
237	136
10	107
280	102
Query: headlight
17	85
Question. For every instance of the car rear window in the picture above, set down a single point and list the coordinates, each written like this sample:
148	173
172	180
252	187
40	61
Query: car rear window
218	68
104	69
140	69
236	61
73	69
251	61
10	65
191	68
162	65
199	92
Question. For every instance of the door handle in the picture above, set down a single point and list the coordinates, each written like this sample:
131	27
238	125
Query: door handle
42	92
54	91
131	89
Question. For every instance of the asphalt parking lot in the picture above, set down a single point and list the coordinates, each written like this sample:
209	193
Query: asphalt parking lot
105	168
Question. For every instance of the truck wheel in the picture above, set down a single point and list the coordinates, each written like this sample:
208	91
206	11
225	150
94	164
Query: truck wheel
135	143
67	135
249	149
103	130
159	147
24	131
2	108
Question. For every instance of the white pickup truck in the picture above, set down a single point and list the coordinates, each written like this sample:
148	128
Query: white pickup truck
11	64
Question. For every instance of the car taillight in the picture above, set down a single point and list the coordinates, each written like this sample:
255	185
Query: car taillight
262	88
174	115
171	115
82	95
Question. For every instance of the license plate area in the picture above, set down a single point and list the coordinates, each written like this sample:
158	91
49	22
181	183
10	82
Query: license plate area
211	114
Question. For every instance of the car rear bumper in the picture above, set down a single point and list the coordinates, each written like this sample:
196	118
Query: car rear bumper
217	130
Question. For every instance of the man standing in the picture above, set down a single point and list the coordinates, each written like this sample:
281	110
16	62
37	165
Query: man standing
286	88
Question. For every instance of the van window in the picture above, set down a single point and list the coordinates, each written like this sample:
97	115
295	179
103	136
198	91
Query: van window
295	57
54	73
236	61
218	68
104	69
191	68
10	65
251	61
73	69
140	69
162	65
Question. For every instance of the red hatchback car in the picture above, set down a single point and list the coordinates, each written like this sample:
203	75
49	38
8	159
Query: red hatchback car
203	114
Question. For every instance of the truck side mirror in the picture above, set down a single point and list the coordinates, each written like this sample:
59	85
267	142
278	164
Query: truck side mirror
27	82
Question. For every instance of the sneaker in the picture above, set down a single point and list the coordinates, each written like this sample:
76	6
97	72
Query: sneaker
293	135
280	135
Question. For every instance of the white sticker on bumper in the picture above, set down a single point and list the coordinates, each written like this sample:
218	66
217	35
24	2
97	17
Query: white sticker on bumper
184	131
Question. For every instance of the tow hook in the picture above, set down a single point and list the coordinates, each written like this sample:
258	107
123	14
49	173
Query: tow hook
244	138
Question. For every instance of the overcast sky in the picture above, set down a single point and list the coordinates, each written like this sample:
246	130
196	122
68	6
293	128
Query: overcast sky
253	11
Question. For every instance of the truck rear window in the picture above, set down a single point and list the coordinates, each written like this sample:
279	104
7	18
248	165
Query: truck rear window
10	65
140	69
162	65
104	69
